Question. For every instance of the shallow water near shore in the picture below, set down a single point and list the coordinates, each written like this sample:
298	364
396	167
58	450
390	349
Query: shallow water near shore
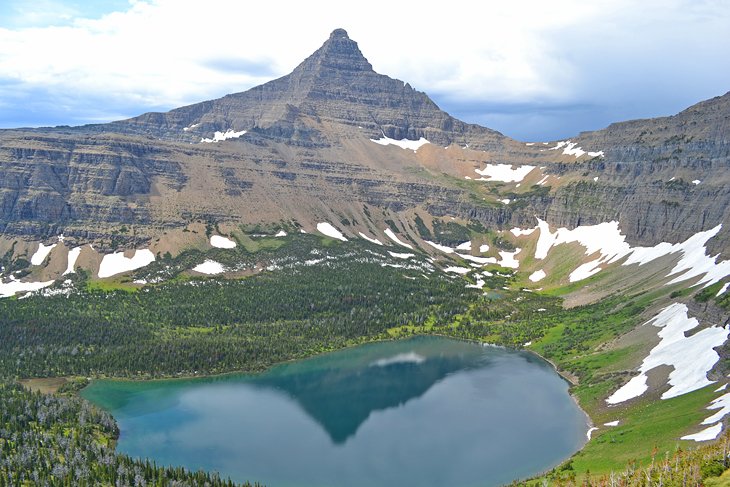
426	411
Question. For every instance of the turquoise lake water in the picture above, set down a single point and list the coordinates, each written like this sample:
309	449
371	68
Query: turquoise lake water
427	411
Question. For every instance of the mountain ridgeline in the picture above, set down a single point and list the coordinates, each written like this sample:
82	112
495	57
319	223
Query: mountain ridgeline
302	149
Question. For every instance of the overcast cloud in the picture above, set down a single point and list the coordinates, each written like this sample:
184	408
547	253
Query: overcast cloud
534	70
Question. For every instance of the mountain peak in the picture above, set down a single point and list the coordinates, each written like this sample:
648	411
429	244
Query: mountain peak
339	52
339	33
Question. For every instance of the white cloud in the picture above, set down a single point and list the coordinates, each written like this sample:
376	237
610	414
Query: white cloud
167	53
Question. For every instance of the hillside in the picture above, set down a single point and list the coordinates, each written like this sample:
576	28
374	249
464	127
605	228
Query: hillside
336	206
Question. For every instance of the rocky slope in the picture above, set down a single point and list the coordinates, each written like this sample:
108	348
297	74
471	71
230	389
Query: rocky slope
302	149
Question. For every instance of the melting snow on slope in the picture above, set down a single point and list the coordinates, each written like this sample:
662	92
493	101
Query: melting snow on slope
73	256
221	242
478	260
401	256
504	173
117	263
413	145
706	434
458	270
221	136
371	240
694	261
537	276
585	271
210	267
327	229
570	149
442	248
508	259
518	232
41	254
691	357
723	289
395	238
13	287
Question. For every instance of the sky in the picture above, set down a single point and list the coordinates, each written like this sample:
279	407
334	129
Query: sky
535	70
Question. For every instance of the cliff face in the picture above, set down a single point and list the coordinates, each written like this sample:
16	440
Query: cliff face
299	148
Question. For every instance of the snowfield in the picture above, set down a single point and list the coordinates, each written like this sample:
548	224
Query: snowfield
210	267
442	248
41	254
73	256
116	263
691	357
13	287
537	276
222	242
413	145
504	173
371	240
395	239
221	136
607	240
327	229
570	149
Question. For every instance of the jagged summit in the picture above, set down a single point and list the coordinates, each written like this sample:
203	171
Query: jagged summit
339	52
335	84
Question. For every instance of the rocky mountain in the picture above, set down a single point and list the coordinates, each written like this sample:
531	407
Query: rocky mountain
335	140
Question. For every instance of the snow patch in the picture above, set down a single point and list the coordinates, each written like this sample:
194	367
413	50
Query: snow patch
571	149
395	238
483	248
723	404
281	233
518	232
590	431
537	276
73	256
696	182
505	201
13	287
413	145
401	256
221	136
221	242
543	180
116	263
723	289
691	357
585	271
504	173
458	270
41	254
478	260
464	246
371	240
209	267
508	259
442	248
327	229
706	434
611	423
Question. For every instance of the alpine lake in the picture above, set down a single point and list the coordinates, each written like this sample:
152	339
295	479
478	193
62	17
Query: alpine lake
427	411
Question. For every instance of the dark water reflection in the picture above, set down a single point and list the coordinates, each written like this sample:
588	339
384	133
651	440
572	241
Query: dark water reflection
427	411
